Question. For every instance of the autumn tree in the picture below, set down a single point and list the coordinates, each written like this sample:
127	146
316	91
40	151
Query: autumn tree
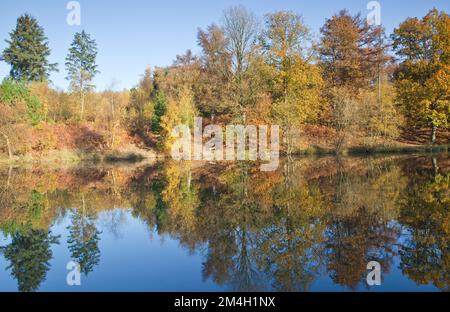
180	111
354	59
170	85
183	72
350	51
378	116
240	27
28	51
81	67
111	115
140	108
423	79
296	83
174	96
214	84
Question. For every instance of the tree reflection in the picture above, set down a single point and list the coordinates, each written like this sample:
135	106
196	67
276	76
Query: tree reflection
325	217
29	255
291	248
425	213
83	239
359	224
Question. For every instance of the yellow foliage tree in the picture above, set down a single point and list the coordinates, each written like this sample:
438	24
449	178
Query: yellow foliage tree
179	112
297	84
423	83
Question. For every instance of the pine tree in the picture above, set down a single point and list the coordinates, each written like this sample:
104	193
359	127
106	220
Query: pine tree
29	254
28	51
81	67
160	110
83	241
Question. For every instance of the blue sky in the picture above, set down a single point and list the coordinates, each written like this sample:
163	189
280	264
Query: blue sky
134	34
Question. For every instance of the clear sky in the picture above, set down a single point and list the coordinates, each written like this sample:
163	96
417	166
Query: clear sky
134	34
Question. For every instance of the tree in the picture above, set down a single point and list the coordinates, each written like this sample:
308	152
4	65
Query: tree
214	96
350	51
353	57
83	240
180	111
29	255
81	67
240	27
140	108
28	51
296	84
343	114
378	116
423	79
160	108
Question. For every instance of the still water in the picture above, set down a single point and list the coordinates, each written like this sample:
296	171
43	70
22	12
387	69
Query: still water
312	225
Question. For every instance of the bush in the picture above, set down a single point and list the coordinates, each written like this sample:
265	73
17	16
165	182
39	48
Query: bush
13	93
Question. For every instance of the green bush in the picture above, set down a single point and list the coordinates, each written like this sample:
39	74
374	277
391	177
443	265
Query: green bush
14	92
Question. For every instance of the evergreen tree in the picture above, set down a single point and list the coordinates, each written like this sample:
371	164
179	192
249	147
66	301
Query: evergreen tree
29	255
83	241
81	67
28	51
160	111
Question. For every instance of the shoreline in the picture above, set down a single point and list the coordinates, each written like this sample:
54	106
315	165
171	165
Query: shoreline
376	150
73	158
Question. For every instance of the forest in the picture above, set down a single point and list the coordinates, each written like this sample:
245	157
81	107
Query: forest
353	89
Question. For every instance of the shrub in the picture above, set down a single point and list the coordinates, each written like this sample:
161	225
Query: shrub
14	92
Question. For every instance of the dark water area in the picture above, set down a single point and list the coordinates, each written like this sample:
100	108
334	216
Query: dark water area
312	225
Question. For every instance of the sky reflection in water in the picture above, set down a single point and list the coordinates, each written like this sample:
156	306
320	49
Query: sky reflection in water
311	226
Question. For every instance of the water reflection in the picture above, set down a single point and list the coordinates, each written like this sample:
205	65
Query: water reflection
291	230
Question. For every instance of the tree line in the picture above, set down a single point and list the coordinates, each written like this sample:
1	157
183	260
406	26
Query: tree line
354	80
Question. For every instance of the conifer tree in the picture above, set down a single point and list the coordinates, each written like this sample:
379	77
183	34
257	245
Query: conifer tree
81	66
28	51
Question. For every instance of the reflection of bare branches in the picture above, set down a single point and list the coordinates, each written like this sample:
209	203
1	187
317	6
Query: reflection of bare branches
245	275
113	220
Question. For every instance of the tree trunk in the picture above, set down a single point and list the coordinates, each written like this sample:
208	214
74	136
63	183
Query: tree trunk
435	166
8	145
8	182
82	106
433	134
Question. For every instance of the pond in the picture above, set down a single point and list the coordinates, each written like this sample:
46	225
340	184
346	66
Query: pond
312	225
